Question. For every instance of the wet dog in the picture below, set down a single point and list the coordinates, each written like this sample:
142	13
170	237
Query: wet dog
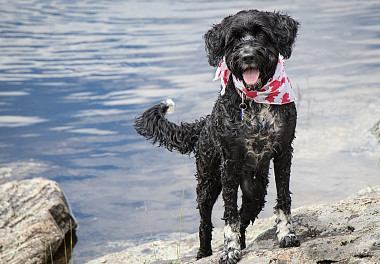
253	122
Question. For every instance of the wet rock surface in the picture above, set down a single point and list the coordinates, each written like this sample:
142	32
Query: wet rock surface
342	232
34	219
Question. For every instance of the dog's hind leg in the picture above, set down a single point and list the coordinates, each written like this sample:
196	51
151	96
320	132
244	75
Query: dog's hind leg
208	190
253	186
285	232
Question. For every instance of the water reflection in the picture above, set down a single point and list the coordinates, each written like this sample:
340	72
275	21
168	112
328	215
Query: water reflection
19	121
73	76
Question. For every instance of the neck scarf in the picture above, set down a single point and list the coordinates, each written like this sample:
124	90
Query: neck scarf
278	90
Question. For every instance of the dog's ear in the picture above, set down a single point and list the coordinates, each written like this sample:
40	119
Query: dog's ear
285	29
215	42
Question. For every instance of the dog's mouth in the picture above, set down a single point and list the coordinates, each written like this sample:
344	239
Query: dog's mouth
251	78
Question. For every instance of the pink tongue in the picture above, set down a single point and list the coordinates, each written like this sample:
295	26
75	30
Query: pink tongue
251	76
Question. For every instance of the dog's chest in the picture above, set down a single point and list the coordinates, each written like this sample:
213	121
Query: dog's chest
260	119
262	129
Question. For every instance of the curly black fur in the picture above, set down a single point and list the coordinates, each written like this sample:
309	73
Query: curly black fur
153	125
231	152
281	29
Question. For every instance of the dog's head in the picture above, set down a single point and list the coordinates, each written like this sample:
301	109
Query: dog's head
251	42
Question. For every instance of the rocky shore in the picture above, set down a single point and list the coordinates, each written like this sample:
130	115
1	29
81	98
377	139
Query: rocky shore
35	218
347	231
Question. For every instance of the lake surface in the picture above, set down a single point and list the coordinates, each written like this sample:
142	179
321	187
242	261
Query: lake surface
73	75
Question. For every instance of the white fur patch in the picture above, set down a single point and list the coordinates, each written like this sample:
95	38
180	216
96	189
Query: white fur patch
284	225
170	103
264	119
231	238
267	117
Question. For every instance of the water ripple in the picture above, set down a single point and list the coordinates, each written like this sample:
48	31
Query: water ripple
73	75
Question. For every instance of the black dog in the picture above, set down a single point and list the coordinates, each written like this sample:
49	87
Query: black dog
233	145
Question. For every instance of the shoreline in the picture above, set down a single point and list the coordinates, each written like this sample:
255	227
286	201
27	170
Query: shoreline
262	246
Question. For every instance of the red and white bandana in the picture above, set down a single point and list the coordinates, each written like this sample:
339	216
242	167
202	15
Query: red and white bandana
278	90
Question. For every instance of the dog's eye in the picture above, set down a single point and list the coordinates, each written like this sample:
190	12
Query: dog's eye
260	35
236	39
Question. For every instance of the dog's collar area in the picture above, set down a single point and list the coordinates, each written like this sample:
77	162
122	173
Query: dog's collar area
242	105
278	90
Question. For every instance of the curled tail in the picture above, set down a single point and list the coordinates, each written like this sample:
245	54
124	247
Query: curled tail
153	125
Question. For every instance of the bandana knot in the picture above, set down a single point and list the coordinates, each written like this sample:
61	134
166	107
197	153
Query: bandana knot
278	90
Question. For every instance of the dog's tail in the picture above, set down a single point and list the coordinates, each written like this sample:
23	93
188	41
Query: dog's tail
153	125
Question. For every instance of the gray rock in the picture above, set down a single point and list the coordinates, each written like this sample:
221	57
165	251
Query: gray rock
343	232
34	219
376	130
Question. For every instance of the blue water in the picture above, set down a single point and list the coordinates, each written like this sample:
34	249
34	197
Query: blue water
73	75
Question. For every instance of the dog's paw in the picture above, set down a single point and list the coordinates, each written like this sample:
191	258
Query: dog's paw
168	106
289	241
231	253
230	256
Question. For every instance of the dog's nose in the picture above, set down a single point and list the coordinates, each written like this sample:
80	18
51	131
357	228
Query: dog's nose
248	59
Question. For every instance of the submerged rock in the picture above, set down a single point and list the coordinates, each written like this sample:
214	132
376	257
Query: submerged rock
342	232
34	219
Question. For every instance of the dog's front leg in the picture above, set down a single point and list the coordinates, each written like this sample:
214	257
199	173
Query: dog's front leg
230	184
285	233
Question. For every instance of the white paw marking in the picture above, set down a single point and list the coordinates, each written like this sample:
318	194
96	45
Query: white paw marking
231	238
231	253
284	225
